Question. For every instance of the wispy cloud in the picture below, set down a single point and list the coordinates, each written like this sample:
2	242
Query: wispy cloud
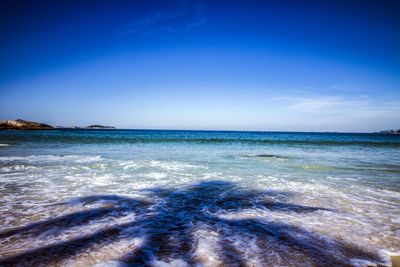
350	111
185	16
316	103
361	102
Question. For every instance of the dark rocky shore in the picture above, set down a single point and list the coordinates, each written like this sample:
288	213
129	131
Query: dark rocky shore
24	125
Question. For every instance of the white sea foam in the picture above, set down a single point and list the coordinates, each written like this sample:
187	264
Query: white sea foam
253	219
207	246
155	175
41	158
171	166
111	264
17	167
173	263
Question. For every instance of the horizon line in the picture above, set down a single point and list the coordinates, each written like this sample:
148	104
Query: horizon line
214	130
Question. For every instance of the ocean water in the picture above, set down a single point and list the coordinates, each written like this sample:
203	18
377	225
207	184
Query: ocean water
198	198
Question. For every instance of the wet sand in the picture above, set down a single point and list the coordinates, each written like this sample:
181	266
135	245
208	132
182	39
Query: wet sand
395	261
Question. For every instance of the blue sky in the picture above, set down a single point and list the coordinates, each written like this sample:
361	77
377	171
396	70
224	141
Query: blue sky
224	65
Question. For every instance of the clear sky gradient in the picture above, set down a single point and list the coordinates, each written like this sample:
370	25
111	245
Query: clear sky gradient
224	65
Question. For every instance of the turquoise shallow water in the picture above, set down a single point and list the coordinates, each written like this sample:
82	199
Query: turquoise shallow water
203	198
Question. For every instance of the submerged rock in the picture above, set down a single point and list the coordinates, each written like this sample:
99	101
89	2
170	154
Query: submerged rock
24	125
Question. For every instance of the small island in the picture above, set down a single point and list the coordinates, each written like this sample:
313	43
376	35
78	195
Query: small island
99	127
90	127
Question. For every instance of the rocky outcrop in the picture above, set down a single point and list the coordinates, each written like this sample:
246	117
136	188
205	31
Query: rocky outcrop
24	125
390	132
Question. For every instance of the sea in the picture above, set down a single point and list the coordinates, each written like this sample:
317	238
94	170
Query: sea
198	198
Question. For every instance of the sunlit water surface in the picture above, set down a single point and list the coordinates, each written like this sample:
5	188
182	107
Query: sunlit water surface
197	198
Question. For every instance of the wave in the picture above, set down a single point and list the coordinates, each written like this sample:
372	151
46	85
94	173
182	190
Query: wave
264	156
36	158
371	168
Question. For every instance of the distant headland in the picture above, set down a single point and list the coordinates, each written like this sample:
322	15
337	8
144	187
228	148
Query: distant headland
390	132
96	126
24	125
30	125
